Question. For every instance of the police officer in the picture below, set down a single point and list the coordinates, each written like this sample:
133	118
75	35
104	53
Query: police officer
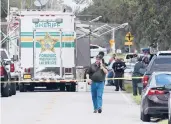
119	67
137	73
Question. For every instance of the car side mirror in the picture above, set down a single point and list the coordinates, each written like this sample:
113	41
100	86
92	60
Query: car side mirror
15	58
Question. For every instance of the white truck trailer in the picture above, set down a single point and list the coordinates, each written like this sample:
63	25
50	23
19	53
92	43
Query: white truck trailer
47	50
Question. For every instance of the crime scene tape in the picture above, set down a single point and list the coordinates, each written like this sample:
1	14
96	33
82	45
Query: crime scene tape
65	81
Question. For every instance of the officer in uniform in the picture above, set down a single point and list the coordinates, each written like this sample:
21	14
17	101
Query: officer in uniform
137	73
119	67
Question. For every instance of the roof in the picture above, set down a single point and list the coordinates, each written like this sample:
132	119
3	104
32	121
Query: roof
163	56
161	72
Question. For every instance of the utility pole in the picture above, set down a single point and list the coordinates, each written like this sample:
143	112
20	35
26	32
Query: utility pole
8	18
113	37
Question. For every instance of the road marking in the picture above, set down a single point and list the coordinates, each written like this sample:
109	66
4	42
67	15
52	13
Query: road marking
126	98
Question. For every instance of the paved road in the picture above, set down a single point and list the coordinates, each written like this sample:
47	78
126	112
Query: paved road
68	108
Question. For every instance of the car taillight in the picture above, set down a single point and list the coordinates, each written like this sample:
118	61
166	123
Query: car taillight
28	70
145	79
155	92
68	70
2	71
12	68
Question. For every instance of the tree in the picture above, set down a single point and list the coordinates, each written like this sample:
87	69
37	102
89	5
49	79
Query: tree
149	20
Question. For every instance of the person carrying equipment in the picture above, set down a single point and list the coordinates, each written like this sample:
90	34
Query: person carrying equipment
119	67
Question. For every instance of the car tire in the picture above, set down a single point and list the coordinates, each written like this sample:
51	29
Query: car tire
31	88
62	87
73	87
10	92
145	117
13	89
68	88
5	91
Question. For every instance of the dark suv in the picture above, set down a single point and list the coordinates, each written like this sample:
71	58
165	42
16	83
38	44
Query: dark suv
157	64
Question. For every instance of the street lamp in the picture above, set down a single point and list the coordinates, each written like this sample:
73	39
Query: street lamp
113	32
93	20
114	29
96	19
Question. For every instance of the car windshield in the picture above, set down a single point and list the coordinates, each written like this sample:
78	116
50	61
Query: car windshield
162	61
160	64
163	79
130	56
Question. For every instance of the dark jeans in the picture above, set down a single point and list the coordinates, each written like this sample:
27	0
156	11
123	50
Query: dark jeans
135	87
110	75
97	93
119	82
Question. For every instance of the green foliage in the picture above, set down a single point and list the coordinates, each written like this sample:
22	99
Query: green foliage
149	20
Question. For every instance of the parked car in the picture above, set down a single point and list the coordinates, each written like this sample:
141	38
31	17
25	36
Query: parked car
7	69
157	63
169	108
163	53
131	58
95	49
128	71
154	101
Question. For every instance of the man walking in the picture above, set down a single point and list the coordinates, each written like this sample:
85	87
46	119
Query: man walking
119	68
96	76
137	73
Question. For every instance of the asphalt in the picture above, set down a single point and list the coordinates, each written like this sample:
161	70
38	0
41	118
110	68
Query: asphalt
69	108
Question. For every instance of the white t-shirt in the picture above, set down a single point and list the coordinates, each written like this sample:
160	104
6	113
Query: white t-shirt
111	64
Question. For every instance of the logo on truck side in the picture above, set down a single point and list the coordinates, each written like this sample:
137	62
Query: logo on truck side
47	44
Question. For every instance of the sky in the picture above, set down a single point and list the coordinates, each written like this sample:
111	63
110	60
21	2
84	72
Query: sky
72	4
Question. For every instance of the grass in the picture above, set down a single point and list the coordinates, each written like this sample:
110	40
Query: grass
137	99
128	88
163	122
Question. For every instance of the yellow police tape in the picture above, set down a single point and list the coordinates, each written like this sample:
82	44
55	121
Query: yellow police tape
60	81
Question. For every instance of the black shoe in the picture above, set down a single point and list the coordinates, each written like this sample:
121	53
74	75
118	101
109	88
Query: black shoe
123	90
95	111
100	111
116	89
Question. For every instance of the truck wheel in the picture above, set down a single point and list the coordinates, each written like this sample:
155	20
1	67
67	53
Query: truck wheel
62	87
49	87
17	86
73	87
68	88
13	89
22	88
5	91
145	118
31	88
